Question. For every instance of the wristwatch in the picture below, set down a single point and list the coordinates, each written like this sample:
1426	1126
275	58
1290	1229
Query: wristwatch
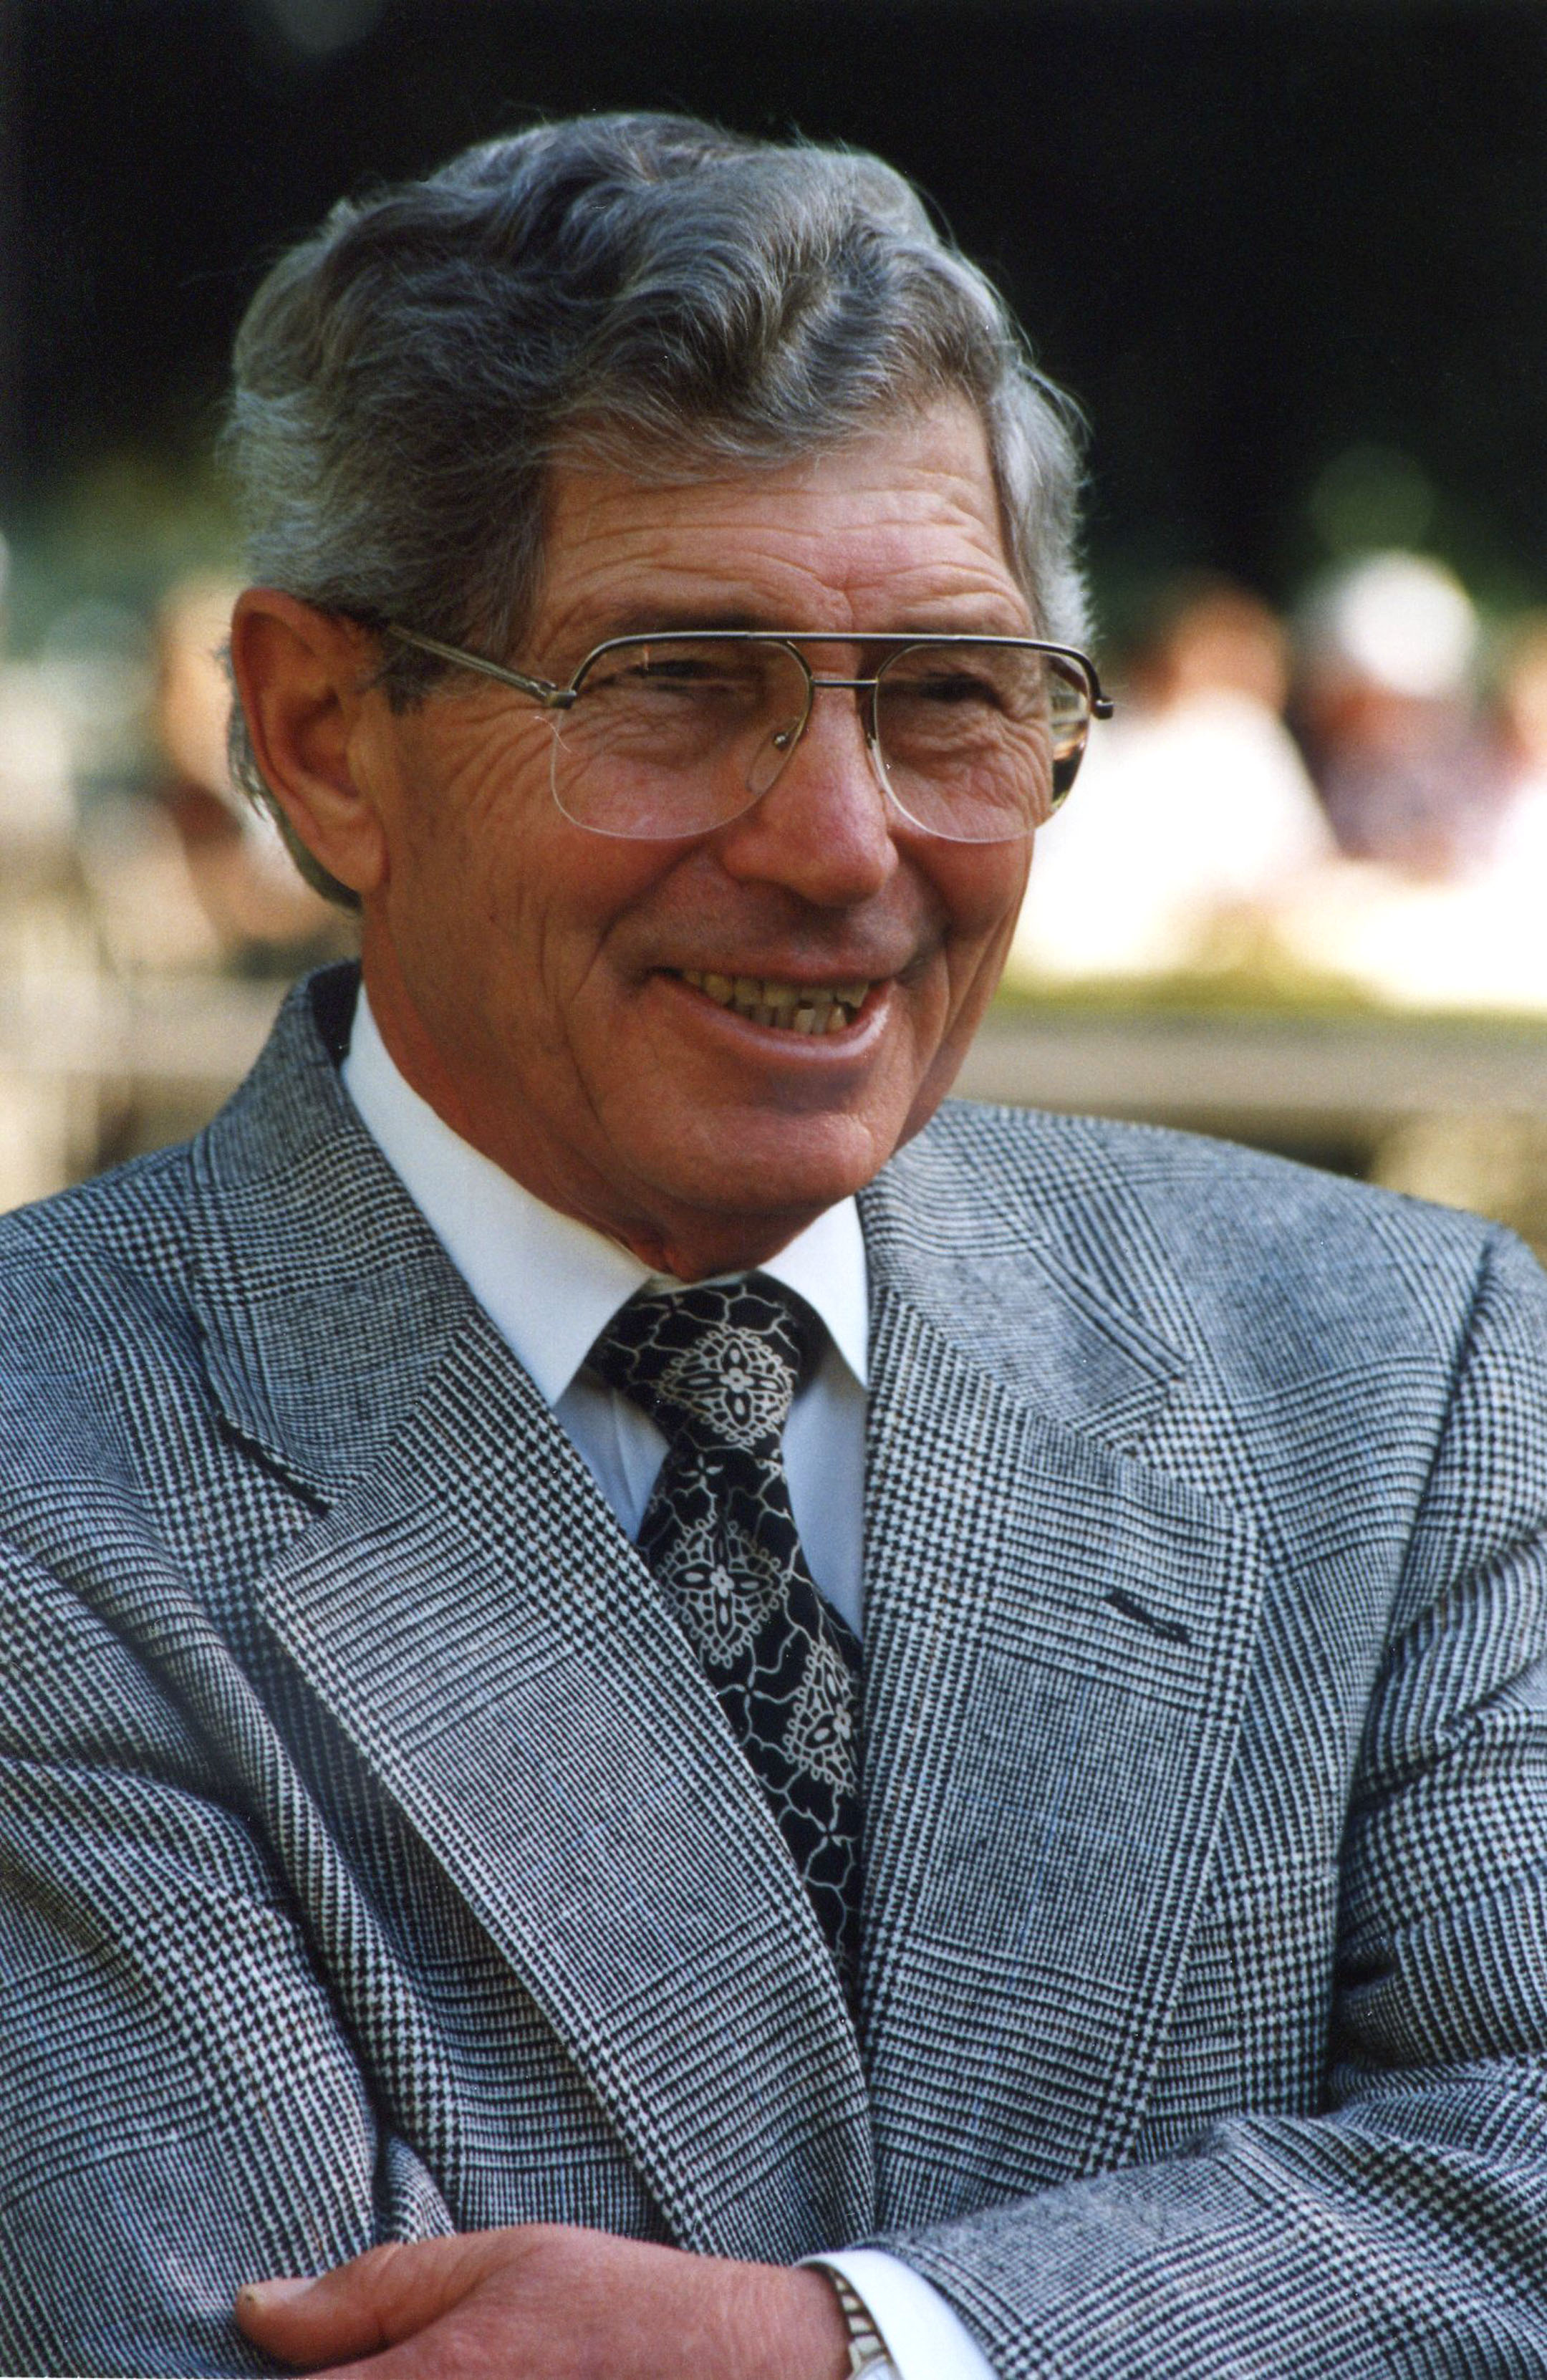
867	2349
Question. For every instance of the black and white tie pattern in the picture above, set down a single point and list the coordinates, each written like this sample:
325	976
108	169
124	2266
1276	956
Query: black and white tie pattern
716	1369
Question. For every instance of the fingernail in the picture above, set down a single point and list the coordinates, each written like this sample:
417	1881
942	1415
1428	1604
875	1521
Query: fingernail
258	2297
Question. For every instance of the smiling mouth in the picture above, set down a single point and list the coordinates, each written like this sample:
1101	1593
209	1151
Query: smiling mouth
790	1007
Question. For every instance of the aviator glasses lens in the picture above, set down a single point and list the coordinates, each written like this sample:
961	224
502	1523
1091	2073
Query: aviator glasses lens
674	735
973	738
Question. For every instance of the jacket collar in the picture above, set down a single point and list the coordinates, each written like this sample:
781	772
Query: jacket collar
325	1301
307	1245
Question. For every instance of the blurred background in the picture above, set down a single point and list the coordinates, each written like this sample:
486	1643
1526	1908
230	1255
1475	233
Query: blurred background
1292	258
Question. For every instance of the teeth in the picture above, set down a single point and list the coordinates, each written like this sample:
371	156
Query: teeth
793	1007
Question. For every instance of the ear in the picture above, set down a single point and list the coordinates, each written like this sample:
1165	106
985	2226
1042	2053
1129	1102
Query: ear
299	675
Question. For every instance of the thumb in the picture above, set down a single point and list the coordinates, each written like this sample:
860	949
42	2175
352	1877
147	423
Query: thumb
370	2303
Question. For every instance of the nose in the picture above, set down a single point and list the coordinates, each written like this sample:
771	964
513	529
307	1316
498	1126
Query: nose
823	828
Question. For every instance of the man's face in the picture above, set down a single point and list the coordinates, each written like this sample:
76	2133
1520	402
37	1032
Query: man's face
533	979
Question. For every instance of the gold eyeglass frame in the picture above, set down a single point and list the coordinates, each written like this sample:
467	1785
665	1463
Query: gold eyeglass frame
554	697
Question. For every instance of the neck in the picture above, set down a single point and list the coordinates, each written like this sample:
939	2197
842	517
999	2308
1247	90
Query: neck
697	1253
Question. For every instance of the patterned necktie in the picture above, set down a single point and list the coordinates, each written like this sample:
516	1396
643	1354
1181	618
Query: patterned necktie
716	1369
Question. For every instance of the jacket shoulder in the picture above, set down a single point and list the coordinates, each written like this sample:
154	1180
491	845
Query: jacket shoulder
94	1305
122	1234
1222	1244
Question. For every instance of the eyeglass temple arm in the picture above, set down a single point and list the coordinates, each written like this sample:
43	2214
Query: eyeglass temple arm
1102	705
541	690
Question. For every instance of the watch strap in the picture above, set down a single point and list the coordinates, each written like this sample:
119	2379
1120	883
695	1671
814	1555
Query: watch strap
866	2350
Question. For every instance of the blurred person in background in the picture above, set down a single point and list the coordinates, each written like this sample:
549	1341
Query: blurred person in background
1517	851
1197	818
1440	799
1386	703
265	920
669	1708
186	876
37	793
46	928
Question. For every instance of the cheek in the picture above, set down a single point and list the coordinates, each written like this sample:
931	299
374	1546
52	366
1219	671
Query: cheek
466	850
474	782
980	887
533	918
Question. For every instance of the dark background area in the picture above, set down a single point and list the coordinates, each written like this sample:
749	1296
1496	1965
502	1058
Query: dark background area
1290	254
1293	258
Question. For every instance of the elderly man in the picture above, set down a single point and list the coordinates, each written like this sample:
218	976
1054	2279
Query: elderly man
752	1729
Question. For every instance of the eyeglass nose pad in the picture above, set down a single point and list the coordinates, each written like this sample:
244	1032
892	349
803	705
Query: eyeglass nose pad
768	760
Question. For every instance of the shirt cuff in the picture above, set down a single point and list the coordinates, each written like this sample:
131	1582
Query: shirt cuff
924	2338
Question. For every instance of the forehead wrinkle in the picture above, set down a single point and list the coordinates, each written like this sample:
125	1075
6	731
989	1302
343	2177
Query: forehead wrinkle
900	530
875	594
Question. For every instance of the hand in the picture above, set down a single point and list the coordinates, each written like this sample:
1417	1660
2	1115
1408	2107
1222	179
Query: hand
548	2302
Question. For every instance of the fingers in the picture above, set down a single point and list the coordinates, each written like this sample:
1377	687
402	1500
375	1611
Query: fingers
372	2303
548	2302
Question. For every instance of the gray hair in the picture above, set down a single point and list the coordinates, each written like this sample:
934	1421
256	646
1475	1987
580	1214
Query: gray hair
642	290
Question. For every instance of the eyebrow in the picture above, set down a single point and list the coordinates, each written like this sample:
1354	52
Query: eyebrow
647	620
668	619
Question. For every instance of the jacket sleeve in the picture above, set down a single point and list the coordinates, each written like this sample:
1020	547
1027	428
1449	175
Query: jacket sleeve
181	2108
1402	2228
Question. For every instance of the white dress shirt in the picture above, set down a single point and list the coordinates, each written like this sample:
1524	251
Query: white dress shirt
550	1285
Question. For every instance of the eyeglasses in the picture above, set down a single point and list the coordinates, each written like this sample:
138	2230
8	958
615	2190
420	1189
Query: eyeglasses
976	739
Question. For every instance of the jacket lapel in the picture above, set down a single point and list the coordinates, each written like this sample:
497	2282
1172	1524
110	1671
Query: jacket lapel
479	1627
1057	1639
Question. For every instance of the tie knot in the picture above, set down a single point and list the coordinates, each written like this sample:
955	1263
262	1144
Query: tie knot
720	1362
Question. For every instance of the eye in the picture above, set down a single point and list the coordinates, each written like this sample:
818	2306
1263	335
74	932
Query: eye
678	669
661	677
953	685
642	673
946	678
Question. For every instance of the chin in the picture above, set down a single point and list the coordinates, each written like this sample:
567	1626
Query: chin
782	1165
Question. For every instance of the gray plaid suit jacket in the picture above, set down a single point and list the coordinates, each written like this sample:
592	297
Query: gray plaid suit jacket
375	1861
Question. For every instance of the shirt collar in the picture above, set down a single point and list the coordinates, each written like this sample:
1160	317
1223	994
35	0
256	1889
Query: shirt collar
549	1284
